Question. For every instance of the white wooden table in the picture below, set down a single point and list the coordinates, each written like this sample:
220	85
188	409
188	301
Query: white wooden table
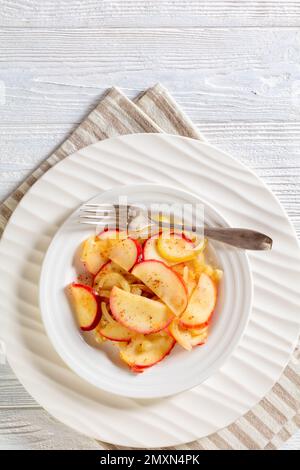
232	65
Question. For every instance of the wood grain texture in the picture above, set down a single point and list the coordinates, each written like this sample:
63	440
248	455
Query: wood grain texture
88	13
270	149
233	66
53	76
25	425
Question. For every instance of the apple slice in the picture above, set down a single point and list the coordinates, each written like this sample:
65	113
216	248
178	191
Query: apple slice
111	329
150	250
111	267
86	306
125	253
112	237
187	338
164	282
199	336
116	332
138	313
176	248
189	279
186	271
111	234
93	254
145	351
201	304
105	281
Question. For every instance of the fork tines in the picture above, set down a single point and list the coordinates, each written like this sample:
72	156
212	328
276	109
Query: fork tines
102	214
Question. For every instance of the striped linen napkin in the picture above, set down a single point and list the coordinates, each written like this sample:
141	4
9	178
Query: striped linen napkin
277	416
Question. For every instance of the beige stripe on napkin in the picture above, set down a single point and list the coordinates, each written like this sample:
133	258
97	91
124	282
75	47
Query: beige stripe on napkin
276	417
160	106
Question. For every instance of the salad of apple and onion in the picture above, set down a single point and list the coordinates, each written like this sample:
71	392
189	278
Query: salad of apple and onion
145	295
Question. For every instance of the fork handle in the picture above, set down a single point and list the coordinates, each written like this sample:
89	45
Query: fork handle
239	237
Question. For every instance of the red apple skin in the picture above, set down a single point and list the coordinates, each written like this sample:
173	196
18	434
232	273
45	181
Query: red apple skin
196	325
98	315
137	253
139	250
83	286
147	332
143	258
106	232
187	238
170	333
143	250
85	264
121	340
182	282
182	235
119	320
106	266
103	267
85	267
137	370
207	322
136	330
168	267
140	367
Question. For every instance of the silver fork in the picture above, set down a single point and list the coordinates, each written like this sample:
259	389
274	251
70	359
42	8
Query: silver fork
137	219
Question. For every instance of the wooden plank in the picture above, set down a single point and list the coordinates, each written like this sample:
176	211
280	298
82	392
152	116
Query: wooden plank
152	13
25	425
271	149
57	76
12	393
37	430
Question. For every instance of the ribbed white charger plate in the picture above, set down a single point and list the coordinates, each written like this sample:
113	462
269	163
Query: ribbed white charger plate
271	333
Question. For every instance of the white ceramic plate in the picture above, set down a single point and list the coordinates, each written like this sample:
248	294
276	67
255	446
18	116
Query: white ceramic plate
271	333
100	365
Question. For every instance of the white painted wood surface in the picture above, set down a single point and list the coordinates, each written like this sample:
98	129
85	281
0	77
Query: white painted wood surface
232	65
